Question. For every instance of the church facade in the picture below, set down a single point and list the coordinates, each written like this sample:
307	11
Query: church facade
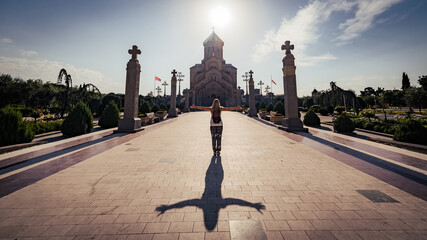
213	78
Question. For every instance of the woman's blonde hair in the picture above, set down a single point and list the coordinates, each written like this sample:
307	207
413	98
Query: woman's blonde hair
216	105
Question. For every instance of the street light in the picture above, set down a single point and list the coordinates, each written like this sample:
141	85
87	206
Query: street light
246	79
260	83
180	79
159	90
165	84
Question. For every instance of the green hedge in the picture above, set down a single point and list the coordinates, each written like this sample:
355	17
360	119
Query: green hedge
411	131
145	108
79	121
343	124
311	118
377	125
40	127
110	116
13	129
280	108
155	108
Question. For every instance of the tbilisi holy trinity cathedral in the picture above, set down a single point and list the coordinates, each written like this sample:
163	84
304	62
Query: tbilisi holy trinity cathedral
213	78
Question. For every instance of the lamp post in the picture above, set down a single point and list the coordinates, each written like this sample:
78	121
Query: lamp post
165	84
260	83
180	79
246	79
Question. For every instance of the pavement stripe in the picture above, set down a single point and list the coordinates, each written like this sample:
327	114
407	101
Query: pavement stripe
25	178
358	162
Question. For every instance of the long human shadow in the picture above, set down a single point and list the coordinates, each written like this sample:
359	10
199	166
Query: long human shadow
211	201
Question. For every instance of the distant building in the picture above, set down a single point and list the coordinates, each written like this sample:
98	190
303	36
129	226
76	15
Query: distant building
213	78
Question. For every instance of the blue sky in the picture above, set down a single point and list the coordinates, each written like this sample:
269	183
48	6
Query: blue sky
356	43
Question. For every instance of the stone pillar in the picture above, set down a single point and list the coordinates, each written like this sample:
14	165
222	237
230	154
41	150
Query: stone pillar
291	122
172	109
187	101
194	98
130	121
252	108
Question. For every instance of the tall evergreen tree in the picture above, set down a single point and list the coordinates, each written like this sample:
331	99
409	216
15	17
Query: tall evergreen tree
405	81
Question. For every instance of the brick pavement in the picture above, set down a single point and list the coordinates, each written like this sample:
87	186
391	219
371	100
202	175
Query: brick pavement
295	191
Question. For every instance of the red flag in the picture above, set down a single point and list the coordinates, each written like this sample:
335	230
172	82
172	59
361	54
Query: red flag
157	78
273	82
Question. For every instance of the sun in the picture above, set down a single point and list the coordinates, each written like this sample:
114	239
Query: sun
220	16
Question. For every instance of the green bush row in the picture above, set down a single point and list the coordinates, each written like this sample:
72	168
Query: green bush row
40	127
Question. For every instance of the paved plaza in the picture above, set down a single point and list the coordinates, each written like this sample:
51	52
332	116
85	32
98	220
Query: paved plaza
164	183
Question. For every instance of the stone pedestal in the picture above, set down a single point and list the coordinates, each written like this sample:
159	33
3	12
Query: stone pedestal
291	122
172	110
252	108
130	121
187	101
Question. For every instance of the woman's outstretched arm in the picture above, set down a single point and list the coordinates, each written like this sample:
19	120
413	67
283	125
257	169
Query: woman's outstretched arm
201	108
231	108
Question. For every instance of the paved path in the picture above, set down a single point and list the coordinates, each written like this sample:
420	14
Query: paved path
164	183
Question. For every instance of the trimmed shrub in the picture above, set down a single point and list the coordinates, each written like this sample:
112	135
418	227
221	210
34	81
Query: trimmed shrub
107	99
311	118
79	121
257	105
163	106
263	105
411	131
315	108
368	113
44	127
13	129
339	109
270	107
155	108
280	108
110	116
323	111
145	108
343	124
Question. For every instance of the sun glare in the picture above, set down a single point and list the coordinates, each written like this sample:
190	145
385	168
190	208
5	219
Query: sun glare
220	16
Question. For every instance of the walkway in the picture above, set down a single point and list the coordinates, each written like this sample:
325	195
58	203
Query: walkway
164	183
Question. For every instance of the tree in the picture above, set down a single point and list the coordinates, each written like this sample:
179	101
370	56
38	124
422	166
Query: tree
405	81
423	82
416	97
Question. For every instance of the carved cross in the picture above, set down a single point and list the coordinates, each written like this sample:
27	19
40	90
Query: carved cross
288	47
174	72
250	73
134	51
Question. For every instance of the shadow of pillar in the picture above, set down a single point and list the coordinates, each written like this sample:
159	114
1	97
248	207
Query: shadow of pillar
211	201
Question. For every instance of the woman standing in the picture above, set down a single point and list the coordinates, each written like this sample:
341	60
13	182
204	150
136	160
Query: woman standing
216	123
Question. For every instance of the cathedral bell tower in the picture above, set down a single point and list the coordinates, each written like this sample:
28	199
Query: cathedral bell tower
213	47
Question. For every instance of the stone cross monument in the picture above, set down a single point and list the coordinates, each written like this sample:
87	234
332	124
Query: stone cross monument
252	108
130	121
291	122
172	109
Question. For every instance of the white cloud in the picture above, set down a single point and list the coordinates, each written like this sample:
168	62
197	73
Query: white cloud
6	40
302	30
26	53
364	18
48	71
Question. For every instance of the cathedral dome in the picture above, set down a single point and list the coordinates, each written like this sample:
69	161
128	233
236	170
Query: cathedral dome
213	38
